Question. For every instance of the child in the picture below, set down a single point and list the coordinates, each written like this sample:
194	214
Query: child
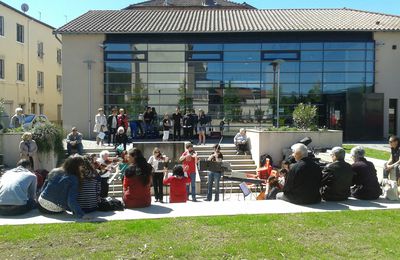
178	183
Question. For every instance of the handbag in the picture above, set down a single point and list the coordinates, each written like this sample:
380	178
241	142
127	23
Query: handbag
120	148
101	135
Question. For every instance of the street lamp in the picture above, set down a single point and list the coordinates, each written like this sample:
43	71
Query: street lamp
89	64
276	67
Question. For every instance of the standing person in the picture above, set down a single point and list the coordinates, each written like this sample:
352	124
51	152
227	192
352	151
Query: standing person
154	120
195	121
137	181
28	150
337	177
74	141
178	183
18	190
392	166
202	127
166	126
112	122
189	161
154	160
100	126
18	119
366	185
216	156
121	138
177	117
122	119
303	181
148	118
187	126
60	192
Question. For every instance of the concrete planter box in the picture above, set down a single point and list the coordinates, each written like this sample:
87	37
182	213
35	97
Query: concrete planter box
275	142
9	147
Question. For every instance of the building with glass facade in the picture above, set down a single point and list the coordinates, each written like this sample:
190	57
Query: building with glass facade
183	58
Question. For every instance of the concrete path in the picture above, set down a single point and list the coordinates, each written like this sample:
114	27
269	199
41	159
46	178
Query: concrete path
195	209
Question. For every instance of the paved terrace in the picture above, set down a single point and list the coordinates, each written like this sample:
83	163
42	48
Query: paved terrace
233	205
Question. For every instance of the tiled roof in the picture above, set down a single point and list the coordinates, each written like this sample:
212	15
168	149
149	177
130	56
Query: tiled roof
189	4
224	21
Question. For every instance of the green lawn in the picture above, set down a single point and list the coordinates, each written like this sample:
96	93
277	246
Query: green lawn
333	235
372	153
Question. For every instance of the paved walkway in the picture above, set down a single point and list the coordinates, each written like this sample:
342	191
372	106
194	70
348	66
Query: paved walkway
192	209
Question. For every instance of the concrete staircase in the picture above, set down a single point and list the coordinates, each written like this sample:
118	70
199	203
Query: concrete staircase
239	163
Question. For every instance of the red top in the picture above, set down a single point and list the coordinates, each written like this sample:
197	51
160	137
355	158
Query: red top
189	165
122	120
178	188
136	195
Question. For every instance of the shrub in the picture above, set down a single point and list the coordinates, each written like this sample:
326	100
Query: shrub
304	116
49	137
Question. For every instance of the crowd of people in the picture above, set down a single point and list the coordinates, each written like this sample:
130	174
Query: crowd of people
81	184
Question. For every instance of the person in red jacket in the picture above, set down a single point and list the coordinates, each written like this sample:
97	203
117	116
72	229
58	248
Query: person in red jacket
122	119
136	186
178	183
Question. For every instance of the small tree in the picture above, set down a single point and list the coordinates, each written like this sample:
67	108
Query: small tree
304	116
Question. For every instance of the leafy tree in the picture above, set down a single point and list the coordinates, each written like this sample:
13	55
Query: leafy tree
185	98
304	116
232	109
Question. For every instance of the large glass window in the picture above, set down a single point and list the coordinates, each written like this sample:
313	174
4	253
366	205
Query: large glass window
233	80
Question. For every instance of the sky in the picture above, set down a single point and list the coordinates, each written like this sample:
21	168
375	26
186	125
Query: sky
57	12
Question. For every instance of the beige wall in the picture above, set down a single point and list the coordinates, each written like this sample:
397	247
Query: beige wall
16	92
76	50
387	75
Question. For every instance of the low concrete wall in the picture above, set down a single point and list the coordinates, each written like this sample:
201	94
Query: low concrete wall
9	147
274	142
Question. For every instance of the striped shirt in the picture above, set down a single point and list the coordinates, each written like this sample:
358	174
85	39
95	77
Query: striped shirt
89	195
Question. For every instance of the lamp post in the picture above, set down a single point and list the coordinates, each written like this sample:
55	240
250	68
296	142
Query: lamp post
89	66
276	68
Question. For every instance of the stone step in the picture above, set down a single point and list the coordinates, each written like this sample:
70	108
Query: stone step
244	167
208	152
211	147
228	157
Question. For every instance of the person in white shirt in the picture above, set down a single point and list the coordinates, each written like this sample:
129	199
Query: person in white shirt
241	142
100	126
154	160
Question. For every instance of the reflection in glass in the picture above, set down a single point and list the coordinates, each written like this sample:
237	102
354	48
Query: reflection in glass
242	67
344	45
344	66
289	66
281	46
311	46
344	55
242	56
314	66
344	77
242	47
311	55
310	77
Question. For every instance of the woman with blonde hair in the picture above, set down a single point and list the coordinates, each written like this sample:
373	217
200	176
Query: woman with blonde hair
154	160
28	150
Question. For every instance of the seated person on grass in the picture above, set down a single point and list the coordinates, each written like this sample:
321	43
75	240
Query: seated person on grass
392	166
18	190
178	183
337	177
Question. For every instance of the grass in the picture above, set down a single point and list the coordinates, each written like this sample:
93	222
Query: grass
372	153
332	235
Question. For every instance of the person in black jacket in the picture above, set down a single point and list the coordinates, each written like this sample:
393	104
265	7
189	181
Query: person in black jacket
121	138
366	185
112	125
303	180
337	177
177	117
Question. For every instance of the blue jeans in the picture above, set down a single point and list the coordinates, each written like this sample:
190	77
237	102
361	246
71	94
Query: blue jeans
192	184
78	147
211	177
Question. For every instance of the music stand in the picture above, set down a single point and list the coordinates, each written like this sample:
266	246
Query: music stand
168	165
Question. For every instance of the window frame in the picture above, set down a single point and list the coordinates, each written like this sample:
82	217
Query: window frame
20	72
297	52
40	48
187	53
106	53
59	56
20	33
1	25
2	69
59	83
40	79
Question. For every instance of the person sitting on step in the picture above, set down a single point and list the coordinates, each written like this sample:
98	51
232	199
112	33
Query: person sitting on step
242	142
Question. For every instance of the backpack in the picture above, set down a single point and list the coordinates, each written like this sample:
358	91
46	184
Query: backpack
110	204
